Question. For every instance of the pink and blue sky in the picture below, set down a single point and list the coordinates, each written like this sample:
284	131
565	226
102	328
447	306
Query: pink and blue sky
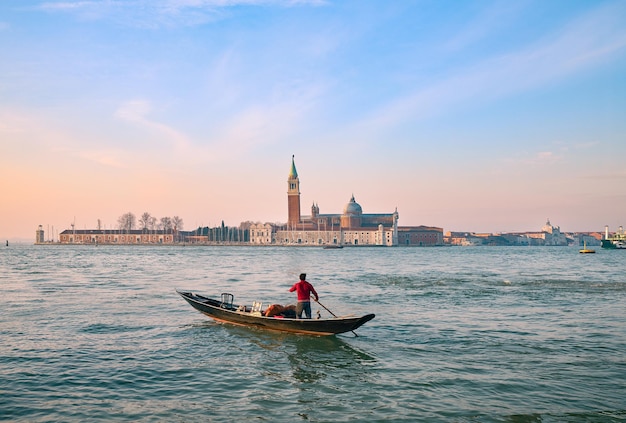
485	116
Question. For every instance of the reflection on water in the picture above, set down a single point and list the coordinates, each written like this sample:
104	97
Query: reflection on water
310	358
314	358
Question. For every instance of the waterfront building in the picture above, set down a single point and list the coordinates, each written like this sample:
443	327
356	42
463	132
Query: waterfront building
549	235
116	236
420	235
39	235
351	227
262	233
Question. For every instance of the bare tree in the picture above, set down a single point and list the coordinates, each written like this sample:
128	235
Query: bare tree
246	224
178	223
166	223
127	221
152	223
145	220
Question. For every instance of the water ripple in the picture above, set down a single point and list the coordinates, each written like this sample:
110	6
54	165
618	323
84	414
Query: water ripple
463	335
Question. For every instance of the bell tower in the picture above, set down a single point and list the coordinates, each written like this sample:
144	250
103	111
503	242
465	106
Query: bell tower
293	196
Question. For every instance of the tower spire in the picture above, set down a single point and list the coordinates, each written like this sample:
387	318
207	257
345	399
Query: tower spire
293	173
293	195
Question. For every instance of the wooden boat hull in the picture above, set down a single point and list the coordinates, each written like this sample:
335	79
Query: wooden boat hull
230	313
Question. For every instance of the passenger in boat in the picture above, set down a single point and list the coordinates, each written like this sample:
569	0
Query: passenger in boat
304	291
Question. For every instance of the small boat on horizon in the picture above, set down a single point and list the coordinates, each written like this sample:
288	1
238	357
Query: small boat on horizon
617	241
223	310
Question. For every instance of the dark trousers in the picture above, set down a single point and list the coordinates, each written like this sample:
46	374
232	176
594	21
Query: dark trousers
303	306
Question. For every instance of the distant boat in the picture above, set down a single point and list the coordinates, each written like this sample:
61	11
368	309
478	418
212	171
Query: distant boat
615	242
332	247
619	245
586	250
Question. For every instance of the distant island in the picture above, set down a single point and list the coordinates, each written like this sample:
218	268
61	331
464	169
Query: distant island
352	227
549	235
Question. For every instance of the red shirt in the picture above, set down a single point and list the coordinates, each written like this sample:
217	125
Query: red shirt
304	289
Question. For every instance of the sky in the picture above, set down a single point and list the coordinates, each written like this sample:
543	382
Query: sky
481	116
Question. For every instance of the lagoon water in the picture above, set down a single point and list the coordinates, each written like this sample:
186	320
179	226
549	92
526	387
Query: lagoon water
480	334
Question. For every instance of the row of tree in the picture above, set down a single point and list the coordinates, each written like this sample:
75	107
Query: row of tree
128	221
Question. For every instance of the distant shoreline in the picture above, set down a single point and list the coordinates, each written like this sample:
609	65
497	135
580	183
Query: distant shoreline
217	244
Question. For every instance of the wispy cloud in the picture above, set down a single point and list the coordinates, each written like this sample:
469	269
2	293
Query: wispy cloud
544	157
272	120
161	13
256	127
45	143
618	175
106	158
591	40
253	127
137	112
496	16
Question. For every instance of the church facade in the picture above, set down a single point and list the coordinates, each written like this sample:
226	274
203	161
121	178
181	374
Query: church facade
352	227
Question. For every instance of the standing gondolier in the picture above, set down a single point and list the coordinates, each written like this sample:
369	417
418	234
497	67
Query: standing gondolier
304	291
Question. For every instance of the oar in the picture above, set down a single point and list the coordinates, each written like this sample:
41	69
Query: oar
333	314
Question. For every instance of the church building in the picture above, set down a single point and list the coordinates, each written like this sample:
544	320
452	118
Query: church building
350	228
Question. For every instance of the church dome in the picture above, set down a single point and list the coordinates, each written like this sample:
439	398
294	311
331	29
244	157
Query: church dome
352	208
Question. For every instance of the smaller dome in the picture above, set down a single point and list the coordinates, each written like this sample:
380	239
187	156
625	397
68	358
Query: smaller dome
352	208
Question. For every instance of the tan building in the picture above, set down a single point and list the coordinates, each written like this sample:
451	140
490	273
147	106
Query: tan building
261	233
39	235
115	236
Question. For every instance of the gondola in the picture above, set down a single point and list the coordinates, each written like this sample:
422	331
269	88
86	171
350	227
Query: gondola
223	310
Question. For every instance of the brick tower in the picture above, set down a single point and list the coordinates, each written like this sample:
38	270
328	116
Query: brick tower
293	196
